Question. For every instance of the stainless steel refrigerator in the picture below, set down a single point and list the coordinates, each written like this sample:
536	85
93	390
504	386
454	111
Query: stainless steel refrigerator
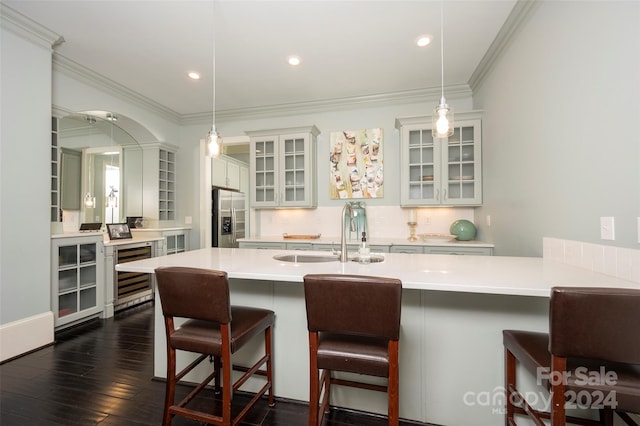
228	217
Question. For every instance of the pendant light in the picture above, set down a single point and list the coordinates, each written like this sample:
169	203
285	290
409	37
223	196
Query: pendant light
214	141
442	119
89	199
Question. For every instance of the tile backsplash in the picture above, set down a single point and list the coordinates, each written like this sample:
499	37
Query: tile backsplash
383	221
617	261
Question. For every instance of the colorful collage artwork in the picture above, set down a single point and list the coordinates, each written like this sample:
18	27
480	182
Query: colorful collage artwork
356	164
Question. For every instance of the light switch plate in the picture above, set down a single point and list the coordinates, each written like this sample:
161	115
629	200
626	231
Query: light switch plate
607	231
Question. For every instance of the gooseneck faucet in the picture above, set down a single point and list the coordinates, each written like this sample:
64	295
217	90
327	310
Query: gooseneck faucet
344	256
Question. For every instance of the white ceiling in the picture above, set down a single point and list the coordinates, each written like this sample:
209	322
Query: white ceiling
348	48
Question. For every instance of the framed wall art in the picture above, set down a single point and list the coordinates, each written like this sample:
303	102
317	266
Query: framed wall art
356	164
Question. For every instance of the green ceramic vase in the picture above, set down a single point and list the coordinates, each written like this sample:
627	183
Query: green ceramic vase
464	230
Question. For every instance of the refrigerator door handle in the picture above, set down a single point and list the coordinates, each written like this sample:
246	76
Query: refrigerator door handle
233	227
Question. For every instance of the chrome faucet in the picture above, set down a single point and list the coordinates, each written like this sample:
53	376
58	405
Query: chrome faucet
344	255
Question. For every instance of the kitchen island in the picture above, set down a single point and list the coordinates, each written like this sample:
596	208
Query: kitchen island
453	311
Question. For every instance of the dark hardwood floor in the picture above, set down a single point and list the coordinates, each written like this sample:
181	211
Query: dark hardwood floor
101	373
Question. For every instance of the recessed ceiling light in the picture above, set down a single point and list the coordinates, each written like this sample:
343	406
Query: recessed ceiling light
424	40
293	60
194	75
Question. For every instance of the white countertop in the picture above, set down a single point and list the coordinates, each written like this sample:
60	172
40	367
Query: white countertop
133	240
169	228
105	237
374	241
524	276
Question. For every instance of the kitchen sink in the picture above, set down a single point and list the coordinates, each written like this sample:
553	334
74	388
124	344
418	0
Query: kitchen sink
305	258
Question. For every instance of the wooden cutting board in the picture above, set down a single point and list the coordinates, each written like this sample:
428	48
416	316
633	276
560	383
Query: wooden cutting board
300	236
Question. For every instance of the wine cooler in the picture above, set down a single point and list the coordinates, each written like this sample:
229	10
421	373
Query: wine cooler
132	288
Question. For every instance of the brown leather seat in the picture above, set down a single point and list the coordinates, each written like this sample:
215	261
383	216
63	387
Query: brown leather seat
591	356
213	329
354	326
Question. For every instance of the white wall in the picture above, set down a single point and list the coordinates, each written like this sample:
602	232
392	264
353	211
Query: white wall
360	117
25	173
560	138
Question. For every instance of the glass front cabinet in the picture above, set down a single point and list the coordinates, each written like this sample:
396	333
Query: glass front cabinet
282	169
77	278
444	171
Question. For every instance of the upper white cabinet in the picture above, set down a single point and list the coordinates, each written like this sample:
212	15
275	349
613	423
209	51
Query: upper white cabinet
227	172
282	170
159	183
444	171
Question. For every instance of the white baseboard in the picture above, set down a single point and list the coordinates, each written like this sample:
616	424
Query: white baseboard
27	334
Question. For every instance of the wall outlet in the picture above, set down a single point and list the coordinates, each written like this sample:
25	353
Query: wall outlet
188	220
607	230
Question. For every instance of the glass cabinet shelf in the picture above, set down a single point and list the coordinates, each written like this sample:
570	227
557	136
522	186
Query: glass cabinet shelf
441	171
77	278
282	169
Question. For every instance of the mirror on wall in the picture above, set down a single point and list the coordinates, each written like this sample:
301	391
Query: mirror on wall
100	168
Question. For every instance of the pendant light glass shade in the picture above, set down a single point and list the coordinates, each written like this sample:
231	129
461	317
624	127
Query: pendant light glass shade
112	199
89	200
442	120
442	124
214	143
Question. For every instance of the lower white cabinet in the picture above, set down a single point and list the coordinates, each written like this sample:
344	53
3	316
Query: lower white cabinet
263	245
406	249
174	240
77	278
352	247
475	251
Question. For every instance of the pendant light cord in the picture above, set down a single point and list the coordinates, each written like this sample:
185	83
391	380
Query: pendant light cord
442	47
213	113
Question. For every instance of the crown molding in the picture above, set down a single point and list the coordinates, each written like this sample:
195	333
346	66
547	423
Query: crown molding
73	69
335	104
79	72
27	28
522	10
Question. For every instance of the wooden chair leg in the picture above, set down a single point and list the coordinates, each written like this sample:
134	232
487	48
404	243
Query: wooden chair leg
326	399
314	382
267	350
227	368
170	386
558	415
393	384
606	416
217	366
509	383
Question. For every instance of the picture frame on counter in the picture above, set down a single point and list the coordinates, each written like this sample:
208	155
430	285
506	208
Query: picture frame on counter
118	231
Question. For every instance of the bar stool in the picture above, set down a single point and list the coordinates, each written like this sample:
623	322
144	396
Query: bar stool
354	326
591	356
214	329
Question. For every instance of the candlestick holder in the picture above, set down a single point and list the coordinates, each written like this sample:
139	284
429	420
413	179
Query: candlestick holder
412	231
